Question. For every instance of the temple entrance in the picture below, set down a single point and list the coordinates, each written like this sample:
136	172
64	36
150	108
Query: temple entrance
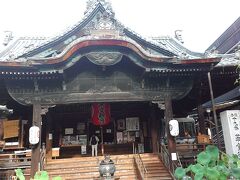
129	129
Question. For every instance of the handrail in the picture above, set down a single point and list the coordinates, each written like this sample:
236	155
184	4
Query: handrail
42	157
140	165
165	157
172	165
14	161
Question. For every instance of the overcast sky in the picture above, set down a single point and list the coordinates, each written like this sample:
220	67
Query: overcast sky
202	21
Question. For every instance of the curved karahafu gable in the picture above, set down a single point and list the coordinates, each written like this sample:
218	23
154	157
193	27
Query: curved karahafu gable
85	42
98	23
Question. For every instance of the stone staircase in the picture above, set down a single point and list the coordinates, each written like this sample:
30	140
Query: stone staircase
87	167
155	168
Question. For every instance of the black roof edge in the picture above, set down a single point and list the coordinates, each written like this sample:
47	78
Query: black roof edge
153	46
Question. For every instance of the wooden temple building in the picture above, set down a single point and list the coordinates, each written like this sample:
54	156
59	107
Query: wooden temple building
54	84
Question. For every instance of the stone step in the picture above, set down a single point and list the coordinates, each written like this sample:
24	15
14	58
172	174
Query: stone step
160	178
153	165
79	165
96	159
90	159
92	174
93	169
87	167
84	168
155	168
127	177
155	175
160	169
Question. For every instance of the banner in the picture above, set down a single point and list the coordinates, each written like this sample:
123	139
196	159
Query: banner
100	114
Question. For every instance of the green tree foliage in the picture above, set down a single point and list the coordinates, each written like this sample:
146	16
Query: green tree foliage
211	165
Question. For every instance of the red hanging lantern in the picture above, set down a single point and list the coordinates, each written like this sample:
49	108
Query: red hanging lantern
100	114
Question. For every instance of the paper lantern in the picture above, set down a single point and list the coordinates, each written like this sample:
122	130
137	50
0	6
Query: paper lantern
34	132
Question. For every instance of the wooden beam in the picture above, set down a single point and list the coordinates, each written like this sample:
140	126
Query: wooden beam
168	117
37	121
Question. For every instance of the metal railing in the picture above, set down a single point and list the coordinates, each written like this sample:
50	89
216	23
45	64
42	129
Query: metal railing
42	157
166	159
186	154
141	167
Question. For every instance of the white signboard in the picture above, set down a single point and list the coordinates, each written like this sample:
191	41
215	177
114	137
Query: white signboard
83	149
231	131
68	130
119	137
132	124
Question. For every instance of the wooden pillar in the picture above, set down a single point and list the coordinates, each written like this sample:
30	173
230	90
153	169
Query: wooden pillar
49	137
168	117
102	145
37	121
154	128
201	119
214	110
200	109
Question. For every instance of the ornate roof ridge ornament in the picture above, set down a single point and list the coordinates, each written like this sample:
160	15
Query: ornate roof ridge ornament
212	53
91	4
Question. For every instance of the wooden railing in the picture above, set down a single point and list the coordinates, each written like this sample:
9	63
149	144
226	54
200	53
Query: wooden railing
11	161
15	160
18	160
141	167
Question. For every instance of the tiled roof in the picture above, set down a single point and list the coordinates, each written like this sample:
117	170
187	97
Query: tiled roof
228	60
23	47
229	39
19	47
176	47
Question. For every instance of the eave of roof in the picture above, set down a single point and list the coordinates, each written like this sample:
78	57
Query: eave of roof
229	36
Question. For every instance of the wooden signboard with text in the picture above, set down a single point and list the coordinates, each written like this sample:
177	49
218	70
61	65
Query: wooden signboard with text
11	129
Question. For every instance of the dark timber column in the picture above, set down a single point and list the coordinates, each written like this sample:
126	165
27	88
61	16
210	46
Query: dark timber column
201	119
37	121
49	136
169	116
154	128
